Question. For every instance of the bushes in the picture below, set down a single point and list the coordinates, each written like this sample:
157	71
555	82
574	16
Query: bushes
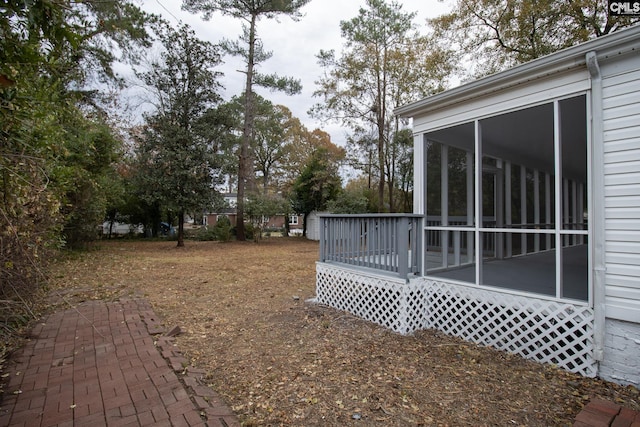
203	234
222	231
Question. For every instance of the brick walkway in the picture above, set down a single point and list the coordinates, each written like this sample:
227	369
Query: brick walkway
107	364
602	413
98	365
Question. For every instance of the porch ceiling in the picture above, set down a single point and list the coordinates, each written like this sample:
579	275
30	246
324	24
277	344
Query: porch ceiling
525	137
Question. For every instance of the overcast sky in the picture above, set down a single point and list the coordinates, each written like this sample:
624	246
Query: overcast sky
294	45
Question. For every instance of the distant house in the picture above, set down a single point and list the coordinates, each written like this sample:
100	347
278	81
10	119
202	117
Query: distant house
272	222
525	234
231	199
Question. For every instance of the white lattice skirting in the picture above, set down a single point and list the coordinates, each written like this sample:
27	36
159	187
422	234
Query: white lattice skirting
542	330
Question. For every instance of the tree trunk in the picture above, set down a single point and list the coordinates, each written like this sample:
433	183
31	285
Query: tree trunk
304	223
287	226
381	164
181	229
381	114
391	182
247	132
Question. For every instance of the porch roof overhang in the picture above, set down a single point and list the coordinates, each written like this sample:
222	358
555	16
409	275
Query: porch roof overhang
621	42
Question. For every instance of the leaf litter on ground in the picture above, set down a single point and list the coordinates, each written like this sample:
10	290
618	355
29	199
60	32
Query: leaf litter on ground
278	359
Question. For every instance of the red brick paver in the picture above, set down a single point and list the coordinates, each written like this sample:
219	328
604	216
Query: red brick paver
98	365
602	413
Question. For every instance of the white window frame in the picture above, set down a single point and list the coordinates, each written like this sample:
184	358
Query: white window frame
557	233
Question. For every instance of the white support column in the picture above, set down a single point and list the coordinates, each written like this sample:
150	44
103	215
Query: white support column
470	207
456	248
478	192
419	174
557	141
580	211
420	190
574	211
523	208
499	209
536	208
565	210
547	207
507	210
444	202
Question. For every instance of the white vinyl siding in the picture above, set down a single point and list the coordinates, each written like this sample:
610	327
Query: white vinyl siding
621	132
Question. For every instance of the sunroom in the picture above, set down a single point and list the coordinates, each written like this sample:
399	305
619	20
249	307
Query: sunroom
500	252
506	200
525	231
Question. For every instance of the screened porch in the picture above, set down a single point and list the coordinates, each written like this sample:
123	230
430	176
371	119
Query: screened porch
506	201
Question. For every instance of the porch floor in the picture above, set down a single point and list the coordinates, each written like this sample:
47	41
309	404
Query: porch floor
531	273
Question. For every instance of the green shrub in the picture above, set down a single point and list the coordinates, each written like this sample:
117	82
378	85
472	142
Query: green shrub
201	234
222	231
250	231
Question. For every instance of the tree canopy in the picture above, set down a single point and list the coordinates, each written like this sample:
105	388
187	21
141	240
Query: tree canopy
493	35
318	183
250	48
385	63
54	132
178	146
58	152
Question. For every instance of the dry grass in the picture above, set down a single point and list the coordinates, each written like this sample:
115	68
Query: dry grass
279	360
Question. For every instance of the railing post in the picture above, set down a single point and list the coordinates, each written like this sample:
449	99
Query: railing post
403	246
420	246
417	232
322	236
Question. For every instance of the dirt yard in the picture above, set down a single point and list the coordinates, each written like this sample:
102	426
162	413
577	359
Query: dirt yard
279	360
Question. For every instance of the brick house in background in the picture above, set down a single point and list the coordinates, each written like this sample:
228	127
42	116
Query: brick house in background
272	222
211	218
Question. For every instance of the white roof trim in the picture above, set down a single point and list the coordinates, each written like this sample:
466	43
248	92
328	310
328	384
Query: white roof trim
619	42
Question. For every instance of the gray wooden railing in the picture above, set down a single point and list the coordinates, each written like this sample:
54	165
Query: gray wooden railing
387	242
